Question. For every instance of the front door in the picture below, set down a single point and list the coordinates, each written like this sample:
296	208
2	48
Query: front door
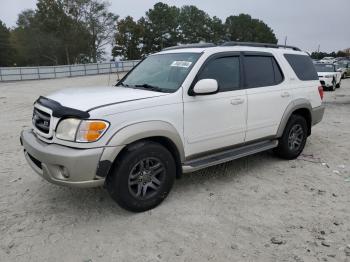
216	120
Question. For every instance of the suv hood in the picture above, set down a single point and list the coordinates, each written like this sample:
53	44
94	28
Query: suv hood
87	98
326	73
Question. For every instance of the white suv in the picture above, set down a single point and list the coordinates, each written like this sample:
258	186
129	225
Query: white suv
177	111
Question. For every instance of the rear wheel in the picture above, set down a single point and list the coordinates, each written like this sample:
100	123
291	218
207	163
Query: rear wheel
142	177
293	140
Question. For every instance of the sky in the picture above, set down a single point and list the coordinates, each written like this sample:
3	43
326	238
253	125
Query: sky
306	23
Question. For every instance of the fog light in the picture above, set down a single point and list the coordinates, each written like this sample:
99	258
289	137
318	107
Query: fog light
64	172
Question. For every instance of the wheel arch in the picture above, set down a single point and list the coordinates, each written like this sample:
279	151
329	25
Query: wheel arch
156	131
300	107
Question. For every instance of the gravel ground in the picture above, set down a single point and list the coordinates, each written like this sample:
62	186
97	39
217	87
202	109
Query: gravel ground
258	208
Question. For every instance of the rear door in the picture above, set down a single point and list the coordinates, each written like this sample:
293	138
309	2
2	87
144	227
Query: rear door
267	93
217	120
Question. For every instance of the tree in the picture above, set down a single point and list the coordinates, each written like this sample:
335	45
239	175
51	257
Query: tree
128	39
194	25
33	46
99	22
216	31
161	27
54	19
6	50
63	32
341	54
244	28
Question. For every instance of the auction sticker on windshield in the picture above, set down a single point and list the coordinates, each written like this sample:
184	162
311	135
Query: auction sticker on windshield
185	64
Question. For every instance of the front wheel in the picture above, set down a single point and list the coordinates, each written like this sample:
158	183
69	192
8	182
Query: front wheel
142	177
334	85
338	85
293	140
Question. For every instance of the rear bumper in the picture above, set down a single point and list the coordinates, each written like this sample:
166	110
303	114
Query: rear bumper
62	165
317	114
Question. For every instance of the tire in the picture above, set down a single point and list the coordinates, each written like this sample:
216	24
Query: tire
338	85
288	148
142	177
334	85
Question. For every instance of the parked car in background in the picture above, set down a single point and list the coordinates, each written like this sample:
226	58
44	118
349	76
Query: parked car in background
178	111
328	60
329	77
343	66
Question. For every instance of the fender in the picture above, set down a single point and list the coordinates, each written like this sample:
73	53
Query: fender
141	130
294	105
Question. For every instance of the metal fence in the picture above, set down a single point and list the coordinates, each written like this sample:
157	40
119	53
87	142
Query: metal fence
48	72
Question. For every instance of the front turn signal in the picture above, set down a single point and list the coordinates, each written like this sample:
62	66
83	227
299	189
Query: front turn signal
91	130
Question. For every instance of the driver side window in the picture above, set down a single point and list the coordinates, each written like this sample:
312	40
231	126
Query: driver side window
225	70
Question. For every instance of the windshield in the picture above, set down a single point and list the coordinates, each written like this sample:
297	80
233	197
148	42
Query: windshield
342	64
324	68
339	66
162	72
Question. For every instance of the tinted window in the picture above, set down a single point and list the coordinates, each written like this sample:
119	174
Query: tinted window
261	71
225	70
278	73
302	66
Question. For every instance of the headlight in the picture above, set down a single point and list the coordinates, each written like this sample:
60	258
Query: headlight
67	129
84	131
328	76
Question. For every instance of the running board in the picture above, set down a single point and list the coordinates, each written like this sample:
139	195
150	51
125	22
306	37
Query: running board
227	155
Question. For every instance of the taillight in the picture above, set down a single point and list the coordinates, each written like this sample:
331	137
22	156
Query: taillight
320	91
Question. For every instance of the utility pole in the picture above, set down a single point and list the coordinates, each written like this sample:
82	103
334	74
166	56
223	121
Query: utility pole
285	41
318	49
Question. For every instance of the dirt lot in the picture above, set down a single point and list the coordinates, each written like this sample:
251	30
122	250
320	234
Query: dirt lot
258	208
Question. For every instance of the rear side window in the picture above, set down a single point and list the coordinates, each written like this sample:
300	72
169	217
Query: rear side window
302	66
261	71
225	70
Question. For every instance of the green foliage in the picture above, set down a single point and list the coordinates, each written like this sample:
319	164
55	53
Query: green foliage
128	39
63	32
6	50
97	21
321	55
244	28
160	27
78	31
194	25
165	26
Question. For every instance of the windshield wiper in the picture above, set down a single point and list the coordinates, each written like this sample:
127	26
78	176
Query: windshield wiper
122	84
151	87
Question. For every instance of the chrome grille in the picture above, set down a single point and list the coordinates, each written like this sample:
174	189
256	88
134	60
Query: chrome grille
41	120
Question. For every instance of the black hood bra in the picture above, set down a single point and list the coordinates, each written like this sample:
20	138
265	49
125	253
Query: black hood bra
61	111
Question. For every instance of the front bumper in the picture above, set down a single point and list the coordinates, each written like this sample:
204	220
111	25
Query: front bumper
326	82
317	114
62	165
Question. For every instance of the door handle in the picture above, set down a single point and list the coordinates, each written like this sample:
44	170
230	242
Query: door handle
285	94
237	101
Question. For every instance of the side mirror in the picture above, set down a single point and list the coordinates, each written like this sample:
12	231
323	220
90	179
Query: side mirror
205	87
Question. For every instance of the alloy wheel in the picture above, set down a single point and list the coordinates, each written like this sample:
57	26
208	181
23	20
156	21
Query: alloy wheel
295	138
146	178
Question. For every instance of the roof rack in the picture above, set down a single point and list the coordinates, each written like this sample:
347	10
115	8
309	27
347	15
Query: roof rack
233	43
202	45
